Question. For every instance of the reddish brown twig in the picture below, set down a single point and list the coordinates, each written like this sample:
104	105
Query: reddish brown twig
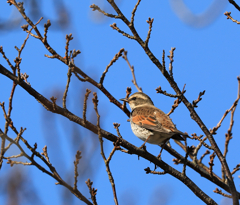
228	14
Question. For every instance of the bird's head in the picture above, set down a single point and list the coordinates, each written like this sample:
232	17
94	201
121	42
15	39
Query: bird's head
137	99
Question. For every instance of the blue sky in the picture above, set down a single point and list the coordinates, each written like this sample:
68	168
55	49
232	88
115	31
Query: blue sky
206	58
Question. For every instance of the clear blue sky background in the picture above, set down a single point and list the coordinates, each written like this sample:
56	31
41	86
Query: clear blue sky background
206	58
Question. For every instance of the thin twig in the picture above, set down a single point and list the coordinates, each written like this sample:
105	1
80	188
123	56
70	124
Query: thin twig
211	164
76	162
218	191
128	92
195	137
150	22
114	26
85	104
134	11
174	106
106	161
148	170
204	154
159	90
236	169
233	107
134	81
185	159
93	192
69	74
195	102
95	7
116	126
68	39
171	61
119	54
5	57
45	154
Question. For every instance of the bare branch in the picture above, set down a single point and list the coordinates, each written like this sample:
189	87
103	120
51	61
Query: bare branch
76	162
233	107
218	191
195	137
69	74
85	104
93	192
148	170
128	92
134	81
234	4
195	102
4	56
106	161
95	7
174	106
150	22
204	154
134	11
159	90
236	169
116	126
119	54
212	156
114	26
46	27
171	61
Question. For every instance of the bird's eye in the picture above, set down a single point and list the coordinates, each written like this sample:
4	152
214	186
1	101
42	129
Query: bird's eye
134	98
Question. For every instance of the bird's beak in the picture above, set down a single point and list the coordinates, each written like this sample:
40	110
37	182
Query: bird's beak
124	99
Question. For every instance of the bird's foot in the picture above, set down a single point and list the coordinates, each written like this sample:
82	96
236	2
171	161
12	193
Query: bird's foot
143	147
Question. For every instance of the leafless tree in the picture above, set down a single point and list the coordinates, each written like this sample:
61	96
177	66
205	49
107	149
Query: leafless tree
42	160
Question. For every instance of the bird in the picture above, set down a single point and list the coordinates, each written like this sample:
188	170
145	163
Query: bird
149	123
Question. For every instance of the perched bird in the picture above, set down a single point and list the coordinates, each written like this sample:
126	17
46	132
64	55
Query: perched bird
149	123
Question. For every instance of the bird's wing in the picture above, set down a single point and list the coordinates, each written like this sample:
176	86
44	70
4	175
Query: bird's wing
154	119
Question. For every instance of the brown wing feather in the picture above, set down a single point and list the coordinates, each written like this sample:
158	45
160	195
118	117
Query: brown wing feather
153	119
